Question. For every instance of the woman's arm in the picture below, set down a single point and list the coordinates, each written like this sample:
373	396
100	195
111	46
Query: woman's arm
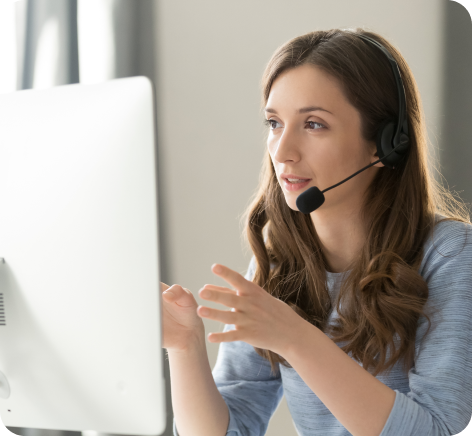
358	400
199	408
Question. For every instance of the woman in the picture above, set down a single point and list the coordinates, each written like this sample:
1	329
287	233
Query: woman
360	311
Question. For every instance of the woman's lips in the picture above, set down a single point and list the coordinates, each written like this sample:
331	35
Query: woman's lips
295	186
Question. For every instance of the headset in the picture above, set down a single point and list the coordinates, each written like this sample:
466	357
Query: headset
386	141
392	140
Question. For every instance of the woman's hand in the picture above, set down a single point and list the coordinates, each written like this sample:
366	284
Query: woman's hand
261	320
181	324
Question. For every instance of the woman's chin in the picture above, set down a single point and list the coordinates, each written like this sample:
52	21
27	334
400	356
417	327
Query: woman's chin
291	202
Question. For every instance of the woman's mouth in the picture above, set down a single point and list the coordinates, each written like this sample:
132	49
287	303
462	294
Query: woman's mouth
295	184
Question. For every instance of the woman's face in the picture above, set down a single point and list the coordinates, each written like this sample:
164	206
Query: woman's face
315	138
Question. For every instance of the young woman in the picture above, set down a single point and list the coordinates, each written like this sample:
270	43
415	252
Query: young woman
360	312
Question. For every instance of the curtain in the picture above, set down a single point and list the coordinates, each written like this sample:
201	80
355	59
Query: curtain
86	41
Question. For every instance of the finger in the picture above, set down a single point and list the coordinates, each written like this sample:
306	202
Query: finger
180	296
232	277
229	299
164	287
219	288
225	316
173	292
229	336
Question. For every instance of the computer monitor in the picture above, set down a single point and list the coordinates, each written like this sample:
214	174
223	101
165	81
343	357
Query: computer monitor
80	310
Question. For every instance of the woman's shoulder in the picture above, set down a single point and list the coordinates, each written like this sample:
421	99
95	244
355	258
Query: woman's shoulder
449	234
449	239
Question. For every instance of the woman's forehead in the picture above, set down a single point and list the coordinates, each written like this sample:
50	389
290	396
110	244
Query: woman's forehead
304	87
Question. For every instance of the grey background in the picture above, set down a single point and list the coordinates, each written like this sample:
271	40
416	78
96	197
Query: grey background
456	138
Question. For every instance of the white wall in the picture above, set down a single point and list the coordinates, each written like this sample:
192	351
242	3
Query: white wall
211	55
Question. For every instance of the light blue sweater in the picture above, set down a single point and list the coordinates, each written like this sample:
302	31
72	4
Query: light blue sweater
433	399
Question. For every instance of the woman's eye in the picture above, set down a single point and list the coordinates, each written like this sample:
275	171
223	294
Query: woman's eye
312	123
271	124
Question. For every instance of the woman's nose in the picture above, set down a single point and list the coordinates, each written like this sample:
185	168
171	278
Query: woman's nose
287	147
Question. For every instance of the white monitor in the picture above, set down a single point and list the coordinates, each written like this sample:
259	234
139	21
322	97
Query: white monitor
80	310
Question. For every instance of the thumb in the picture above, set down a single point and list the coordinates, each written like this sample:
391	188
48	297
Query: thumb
179	295
168	295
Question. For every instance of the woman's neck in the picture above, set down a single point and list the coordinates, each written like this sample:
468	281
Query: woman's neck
342	234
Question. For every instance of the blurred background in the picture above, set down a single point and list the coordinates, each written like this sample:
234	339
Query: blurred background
206	60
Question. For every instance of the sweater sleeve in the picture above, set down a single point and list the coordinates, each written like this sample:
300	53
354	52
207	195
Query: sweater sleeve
439	400
244	380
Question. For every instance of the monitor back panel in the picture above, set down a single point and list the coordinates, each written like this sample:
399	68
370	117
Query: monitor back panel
80	337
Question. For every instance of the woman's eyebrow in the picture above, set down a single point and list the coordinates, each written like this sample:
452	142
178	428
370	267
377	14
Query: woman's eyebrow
302	110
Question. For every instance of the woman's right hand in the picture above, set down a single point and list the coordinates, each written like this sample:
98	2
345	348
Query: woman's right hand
181	323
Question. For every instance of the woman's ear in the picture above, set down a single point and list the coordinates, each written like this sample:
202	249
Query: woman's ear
375	156
379	164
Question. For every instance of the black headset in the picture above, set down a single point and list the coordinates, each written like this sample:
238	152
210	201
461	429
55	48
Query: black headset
387	141
392	140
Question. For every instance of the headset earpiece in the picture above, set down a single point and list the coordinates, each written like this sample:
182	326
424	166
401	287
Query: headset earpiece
384	143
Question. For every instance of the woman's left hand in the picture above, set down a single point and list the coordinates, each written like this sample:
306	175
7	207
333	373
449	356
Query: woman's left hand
260	319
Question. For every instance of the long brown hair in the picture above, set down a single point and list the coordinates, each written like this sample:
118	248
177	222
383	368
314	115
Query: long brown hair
384	295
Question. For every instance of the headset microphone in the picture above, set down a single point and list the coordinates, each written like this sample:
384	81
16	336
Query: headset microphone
391	148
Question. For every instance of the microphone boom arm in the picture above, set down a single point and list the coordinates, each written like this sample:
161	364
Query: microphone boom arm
362	169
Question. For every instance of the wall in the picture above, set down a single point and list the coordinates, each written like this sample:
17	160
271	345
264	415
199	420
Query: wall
456	149
211	55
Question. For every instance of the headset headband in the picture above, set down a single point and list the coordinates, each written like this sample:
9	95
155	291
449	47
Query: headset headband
402	125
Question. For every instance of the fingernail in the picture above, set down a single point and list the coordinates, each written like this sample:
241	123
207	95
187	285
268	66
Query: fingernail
204	311
217	268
